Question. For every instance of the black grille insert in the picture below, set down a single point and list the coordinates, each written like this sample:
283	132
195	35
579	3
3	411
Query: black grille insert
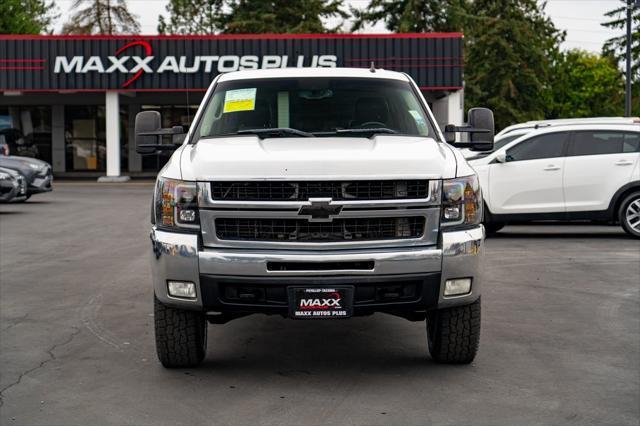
361	229
365	293
320	266
302	191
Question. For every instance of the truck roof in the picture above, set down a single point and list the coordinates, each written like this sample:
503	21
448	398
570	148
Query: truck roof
312	72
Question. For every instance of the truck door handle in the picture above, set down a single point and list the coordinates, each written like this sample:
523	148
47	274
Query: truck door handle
551	167
624	163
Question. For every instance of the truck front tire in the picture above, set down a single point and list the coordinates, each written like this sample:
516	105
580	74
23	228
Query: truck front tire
453	334
181	336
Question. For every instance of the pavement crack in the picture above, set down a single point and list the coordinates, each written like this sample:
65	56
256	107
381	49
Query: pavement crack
52	357
15	321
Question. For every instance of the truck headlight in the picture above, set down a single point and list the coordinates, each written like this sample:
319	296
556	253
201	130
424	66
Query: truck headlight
461	201
176	204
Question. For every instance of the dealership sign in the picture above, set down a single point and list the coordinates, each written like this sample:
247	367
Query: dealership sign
139	65
157	63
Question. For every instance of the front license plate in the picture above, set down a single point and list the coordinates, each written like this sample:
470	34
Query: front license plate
320	302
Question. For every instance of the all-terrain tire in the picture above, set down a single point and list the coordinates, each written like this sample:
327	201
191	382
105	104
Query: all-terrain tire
181	336
628	214
453	334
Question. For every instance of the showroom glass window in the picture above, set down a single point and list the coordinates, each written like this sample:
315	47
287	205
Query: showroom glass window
85	138
550	145
172	115
27	130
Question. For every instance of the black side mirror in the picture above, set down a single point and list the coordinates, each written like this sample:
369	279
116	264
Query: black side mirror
481	118
450	133
480	127
149	133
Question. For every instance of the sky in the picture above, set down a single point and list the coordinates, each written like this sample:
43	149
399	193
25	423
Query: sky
580	18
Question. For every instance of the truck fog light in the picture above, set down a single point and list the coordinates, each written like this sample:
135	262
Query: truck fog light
182	289
457	286
187	215
452	213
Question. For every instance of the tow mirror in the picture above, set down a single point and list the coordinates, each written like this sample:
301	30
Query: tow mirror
480	126
149	134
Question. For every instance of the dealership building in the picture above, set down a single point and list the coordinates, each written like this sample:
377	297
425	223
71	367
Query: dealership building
75	98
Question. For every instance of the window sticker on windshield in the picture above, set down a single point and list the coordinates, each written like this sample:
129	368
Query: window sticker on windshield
240	100
422	126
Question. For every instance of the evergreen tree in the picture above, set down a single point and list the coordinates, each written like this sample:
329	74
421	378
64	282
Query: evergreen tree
511	47
26	16
250	16
412	16
101	17
192	17
617	46
282	16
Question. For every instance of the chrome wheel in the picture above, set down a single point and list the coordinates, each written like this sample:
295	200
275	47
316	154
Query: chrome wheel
632	215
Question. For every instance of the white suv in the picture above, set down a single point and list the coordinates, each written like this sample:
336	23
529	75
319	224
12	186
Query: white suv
513	132
572	172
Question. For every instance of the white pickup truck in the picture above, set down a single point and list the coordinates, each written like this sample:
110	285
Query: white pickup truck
316	193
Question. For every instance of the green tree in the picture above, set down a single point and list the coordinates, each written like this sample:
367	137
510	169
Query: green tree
282	16
101	17
511	46
586	85
26	16
617	46
192	17
250	16
412	15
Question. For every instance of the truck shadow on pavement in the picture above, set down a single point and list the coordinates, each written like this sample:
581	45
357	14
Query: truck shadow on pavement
272	346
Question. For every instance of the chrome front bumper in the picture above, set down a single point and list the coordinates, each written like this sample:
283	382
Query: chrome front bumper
179	256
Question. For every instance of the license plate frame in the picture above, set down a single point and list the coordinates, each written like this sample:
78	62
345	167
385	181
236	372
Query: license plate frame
326	302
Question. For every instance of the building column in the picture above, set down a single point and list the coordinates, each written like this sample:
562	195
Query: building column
112	112
58	143
135	159
455	107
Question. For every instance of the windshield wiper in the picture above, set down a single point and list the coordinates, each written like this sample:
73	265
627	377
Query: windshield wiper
372	131
275	131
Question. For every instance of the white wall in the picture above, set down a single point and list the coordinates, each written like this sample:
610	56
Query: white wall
450	109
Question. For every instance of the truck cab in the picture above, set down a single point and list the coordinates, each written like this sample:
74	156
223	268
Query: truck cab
315	194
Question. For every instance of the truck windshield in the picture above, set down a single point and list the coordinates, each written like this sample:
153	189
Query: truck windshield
314	107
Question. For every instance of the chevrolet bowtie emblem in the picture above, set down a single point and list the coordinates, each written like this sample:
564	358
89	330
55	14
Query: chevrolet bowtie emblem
320	210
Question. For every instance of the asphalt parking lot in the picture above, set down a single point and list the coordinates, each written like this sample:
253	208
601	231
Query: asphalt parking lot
560	335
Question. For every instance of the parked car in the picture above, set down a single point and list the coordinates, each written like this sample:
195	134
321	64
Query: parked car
538	124
513	132
13	186
315	194
499	142
37	172
569	172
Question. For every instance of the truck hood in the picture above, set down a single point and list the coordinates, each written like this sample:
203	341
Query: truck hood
249	158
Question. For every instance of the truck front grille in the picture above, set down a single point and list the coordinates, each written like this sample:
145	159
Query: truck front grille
360	229
302	191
